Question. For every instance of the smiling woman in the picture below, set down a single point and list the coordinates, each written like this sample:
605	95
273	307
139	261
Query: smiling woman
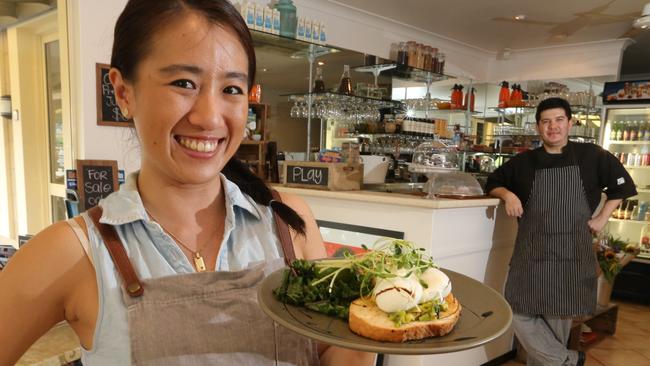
181	69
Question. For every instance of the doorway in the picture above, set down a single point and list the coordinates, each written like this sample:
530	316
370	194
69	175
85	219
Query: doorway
40	139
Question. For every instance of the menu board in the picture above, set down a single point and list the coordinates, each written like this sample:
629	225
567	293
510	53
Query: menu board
96	179
108	112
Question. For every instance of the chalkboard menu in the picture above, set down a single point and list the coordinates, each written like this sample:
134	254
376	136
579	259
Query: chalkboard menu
108	112
309	175
96	179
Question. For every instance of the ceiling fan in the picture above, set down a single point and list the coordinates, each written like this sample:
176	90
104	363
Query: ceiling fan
562	30
641	23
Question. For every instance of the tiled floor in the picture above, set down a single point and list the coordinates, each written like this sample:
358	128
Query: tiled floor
630	346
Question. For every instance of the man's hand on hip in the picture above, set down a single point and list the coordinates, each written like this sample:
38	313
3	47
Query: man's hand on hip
597	223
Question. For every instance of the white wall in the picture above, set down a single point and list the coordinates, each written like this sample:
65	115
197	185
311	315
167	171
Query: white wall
92	34
559	62
91	25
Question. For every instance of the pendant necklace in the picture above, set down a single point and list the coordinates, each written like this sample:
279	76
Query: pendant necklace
199	263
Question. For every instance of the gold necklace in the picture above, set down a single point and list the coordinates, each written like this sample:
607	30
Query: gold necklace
199	263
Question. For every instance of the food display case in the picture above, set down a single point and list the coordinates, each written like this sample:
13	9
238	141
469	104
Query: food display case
627	136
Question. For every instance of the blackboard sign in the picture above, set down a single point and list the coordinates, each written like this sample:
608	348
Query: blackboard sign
310	175
22	239
96	179
108	112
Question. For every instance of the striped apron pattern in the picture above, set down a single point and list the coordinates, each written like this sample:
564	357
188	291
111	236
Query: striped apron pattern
553	267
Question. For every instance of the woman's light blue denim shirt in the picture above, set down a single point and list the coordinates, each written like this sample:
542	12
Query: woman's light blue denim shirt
249	237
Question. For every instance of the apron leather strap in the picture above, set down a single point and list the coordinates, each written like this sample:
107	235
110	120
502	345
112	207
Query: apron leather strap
283	232
118	254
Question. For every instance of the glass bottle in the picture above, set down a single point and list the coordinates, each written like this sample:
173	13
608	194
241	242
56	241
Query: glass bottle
634	131
413	50
626	131
403	54
434	60
619	131
427	58
288	20
441	63
641	135
420	56
319	85
345	86
614	131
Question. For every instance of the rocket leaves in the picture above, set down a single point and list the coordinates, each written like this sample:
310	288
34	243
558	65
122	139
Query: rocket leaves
329	286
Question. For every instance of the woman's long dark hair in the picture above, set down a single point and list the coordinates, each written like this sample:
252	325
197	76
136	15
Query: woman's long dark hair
135	27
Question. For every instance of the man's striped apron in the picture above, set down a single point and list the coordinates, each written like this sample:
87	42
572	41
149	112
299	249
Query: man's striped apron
553	267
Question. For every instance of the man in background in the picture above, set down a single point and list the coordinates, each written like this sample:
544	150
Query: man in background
554	191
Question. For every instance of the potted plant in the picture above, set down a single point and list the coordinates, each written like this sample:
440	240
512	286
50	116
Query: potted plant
612	254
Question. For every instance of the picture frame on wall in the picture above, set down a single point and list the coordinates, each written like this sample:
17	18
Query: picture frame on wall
108	112
627	92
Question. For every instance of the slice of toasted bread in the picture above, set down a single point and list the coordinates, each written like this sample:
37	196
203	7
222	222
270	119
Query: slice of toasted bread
367	320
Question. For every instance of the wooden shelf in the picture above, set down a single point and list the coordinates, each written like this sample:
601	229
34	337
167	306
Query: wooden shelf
628	142
630	221
253	142
603	322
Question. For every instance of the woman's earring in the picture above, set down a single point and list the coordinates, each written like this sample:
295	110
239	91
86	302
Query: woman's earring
125	112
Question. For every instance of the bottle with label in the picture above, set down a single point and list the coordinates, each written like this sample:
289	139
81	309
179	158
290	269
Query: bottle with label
626	131
301	28
345	87
319	85
288	20
276	21
619	131
315	31
469	99
308	29
402	54
259	17
323	35
504	94
250	15
634	131
644	241
613	130
268	20
441	63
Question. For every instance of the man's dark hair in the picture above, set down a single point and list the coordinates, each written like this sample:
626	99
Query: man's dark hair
552	103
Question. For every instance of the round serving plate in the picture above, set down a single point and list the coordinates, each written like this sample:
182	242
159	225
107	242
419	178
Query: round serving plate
485	316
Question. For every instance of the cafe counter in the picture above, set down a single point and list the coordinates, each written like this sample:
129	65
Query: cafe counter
470	236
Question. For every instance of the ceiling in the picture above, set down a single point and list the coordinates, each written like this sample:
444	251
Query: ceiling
489	24
12	11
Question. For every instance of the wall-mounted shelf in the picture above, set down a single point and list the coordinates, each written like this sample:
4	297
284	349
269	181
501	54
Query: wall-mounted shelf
628	142
629	221
403	72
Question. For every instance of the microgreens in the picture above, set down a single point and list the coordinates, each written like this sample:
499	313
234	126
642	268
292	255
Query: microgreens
330	285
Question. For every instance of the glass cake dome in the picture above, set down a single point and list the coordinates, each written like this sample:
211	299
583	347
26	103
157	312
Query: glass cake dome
434	156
